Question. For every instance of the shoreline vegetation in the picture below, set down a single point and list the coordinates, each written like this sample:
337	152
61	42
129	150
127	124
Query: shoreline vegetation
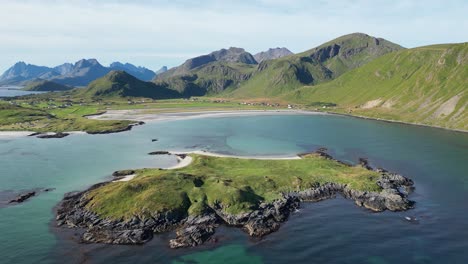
206	190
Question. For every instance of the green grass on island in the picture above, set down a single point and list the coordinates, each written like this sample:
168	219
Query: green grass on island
57	112
40	118
239	185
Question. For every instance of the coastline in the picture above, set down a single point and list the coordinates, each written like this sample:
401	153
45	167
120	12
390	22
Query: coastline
398	122
18	134
218	155
142	115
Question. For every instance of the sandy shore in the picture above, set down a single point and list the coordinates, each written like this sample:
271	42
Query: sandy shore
14	134
144	115
17	134
126	178
212	154
183	162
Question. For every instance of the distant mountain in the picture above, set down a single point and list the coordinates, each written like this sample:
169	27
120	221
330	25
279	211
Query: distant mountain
162	70
21	72
272	54
141	73
79	74
211	73
231	55
64	68
122	84
45	86
323	63
425	85
82	73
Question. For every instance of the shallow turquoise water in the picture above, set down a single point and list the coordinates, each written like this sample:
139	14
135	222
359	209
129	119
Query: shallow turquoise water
333	231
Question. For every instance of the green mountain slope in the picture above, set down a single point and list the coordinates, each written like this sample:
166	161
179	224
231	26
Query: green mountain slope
211	73
122	84
45	86
210	79
323	63
426	85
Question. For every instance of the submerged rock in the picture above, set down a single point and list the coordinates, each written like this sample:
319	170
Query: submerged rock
159	152
23	197
56	135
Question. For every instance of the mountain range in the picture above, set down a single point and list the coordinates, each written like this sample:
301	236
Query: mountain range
216	72
80	73
357	74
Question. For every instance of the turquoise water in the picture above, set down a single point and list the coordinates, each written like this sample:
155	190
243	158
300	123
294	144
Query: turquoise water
333	231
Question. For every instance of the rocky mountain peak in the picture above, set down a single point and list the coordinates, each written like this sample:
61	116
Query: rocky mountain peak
271	54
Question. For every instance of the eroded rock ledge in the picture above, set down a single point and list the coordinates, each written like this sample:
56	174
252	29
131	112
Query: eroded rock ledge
195	230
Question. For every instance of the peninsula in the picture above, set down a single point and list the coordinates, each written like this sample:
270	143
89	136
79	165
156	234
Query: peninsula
205	191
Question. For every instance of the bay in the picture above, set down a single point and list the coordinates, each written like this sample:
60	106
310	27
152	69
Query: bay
333	231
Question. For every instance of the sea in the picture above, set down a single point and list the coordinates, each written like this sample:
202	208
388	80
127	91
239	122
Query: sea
331	231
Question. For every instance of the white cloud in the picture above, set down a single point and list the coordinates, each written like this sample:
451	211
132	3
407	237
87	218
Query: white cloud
154	33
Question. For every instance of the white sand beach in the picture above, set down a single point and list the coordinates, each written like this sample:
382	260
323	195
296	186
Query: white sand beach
148	116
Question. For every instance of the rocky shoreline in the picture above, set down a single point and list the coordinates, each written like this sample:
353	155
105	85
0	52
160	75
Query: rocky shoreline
195	230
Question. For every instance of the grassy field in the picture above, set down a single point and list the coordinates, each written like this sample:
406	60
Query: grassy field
239	185
54	113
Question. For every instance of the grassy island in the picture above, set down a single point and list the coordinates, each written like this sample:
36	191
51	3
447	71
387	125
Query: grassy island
204	191
240	185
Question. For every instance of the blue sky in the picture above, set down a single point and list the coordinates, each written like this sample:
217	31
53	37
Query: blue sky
154	33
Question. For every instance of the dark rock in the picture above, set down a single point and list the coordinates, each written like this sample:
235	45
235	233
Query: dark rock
23	197
56	135
122	173
159	152
269	217
110	131
34	134
121	237
364	162
192	236
154	140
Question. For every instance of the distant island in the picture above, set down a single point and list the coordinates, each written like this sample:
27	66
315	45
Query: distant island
206	190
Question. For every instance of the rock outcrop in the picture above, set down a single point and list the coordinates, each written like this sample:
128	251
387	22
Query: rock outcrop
23	197
54	135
